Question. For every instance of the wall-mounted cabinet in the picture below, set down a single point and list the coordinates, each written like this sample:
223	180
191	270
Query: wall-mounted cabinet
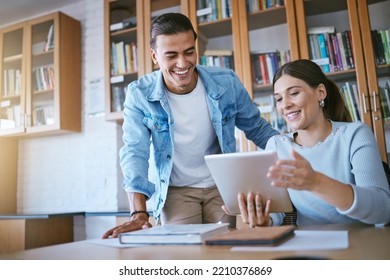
40	82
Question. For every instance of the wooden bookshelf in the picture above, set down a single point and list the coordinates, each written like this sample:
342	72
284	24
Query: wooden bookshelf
119	36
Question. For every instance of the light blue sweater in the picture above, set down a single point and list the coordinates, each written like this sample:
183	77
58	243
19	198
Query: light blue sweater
350	155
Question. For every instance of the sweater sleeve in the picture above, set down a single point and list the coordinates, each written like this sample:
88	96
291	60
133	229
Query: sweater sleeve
371	189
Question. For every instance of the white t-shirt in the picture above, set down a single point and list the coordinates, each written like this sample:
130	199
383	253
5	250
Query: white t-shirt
194	137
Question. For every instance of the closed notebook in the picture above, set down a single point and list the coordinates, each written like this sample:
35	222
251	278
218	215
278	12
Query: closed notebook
174	234
254	236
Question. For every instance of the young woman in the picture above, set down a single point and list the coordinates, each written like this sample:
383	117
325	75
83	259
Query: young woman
330	165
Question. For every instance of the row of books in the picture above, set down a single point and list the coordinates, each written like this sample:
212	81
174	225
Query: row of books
332	50
265	65
384	92
350	95
49	43
267	108
260	5
349	92
118	93
10	117
43	115
125	23
44	78
211	10
12	82
381	43
44	46
220	58
123	58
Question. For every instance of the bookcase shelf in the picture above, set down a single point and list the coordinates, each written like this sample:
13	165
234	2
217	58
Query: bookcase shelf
40	82
267	18
216	28
13	58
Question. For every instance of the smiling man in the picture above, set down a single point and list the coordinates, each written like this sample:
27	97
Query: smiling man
185	111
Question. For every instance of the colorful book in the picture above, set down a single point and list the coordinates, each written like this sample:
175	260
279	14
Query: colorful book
323	53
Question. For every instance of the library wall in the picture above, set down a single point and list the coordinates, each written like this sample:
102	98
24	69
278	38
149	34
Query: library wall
77	171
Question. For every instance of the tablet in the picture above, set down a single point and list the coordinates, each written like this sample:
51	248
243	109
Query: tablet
244	172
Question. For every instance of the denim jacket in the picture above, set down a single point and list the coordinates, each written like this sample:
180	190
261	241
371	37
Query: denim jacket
148	120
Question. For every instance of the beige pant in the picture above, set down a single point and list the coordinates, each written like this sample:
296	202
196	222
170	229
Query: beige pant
186	205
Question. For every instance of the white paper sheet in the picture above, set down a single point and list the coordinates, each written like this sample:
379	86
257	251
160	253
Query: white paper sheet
111	242
307	240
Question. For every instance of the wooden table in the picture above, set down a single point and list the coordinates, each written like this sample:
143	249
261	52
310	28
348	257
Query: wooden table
27	231
365	243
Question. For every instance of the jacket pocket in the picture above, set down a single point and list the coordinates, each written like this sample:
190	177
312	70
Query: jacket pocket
156	123
159	128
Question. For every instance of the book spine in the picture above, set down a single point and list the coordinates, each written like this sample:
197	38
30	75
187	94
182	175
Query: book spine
323	52
256	72
263	67
337	51
342	51
348	50
386	49
311	47
332	58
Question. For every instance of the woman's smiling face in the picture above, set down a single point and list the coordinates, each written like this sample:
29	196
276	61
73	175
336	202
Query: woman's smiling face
297	102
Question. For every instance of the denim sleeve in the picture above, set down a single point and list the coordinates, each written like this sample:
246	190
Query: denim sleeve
134	154
248	119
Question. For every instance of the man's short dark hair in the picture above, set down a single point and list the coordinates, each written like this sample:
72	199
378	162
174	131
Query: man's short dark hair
168	24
